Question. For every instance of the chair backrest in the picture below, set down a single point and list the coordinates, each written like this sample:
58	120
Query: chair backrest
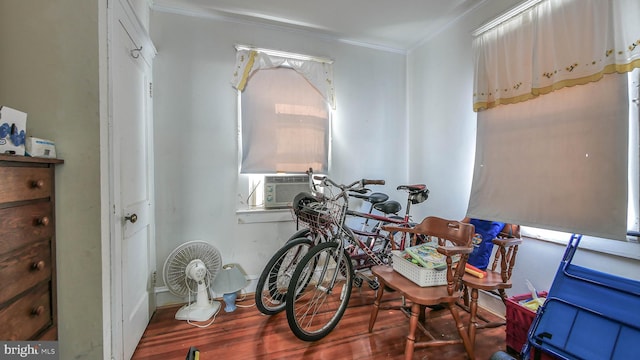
507	241
453	238
510	231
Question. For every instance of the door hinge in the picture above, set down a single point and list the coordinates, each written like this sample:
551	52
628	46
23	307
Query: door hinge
154	279
150	89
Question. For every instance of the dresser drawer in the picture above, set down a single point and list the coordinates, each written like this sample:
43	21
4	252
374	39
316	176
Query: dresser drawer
24	183
22	225
24	268
28	316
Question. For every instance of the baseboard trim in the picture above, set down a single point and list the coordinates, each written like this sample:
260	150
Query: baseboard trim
492	303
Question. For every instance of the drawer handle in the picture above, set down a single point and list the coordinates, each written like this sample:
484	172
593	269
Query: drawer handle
39	265
43	221
37	311
37	184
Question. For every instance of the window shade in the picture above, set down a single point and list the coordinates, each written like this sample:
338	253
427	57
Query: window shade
558	161
285	124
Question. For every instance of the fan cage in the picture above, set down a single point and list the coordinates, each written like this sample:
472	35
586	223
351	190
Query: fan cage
174	271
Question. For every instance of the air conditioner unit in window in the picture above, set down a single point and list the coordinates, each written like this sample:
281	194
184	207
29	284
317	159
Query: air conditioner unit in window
279	191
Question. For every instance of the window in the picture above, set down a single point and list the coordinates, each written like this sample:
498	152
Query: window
285	102
568	101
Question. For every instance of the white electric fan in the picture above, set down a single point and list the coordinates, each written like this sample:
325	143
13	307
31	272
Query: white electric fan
191	268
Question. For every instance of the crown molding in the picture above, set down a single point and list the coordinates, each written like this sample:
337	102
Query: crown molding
184	8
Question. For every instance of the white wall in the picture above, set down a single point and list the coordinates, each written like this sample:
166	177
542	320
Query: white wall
442	128
196	129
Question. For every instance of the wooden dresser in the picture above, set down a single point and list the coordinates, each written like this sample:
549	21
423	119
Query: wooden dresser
27	249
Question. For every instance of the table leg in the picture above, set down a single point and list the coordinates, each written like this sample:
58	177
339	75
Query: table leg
376	306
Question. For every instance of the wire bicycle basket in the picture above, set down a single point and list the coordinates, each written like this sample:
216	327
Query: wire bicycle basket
319	213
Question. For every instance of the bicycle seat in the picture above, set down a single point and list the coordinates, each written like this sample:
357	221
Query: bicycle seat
419	196
373	198
377	198
417	193
413	188
388	207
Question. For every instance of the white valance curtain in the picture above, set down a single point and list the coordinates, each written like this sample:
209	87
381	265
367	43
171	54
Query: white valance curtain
318	73
554	44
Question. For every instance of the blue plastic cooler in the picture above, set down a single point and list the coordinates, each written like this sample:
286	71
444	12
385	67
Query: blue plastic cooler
588	314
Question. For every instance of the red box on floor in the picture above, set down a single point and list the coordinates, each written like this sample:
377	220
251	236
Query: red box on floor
519	319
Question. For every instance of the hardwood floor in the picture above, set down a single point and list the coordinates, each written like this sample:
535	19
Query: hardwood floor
247	334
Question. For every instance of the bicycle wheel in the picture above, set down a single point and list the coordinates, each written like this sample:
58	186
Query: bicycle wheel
302	233
319	292
315	236
273	282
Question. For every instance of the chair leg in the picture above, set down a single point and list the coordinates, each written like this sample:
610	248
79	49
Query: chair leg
468	346
465	296
503	295
411	338
473	316
376	307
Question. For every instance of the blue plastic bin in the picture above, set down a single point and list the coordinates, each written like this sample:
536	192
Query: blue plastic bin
588	314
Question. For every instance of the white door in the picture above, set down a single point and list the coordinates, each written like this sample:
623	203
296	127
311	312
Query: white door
133	248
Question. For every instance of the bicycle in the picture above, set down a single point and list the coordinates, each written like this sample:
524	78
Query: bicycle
378	241
274	279
273	282
371	237
320	287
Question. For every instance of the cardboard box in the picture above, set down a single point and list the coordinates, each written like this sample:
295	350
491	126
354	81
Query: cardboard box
37	147
13	131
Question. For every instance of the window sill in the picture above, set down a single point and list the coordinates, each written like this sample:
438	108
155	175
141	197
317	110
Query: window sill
262	215
625	249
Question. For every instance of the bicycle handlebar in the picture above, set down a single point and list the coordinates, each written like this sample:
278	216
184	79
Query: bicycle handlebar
357	186
372	182
354	186
362	182
359	193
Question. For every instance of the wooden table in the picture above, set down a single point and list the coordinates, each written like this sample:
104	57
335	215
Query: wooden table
419	298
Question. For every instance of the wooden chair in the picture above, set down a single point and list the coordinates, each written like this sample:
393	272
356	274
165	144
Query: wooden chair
497	279
454	238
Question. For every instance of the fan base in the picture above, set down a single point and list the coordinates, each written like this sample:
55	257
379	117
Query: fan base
198	312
